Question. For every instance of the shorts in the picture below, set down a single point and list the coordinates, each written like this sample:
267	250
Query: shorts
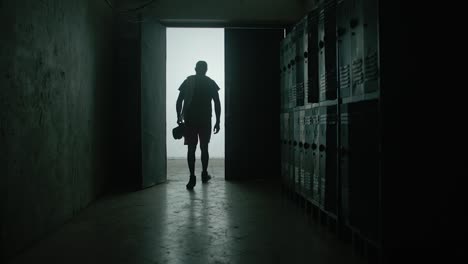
195	131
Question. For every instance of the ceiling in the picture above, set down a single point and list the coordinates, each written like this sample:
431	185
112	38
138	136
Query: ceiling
218	12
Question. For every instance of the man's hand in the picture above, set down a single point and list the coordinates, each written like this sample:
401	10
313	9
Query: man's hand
216	128
179	120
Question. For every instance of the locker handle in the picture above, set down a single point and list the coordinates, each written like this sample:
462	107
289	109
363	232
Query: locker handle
295	143
306	145
289	66
289	142
306	54
321	44
321	148
314	146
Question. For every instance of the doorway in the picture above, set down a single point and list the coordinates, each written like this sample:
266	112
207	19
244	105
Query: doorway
186	46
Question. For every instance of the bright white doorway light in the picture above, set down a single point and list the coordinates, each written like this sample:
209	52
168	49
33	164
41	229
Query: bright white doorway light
186	46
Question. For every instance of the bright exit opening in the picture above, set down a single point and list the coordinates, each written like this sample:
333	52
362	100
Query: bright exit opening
186	46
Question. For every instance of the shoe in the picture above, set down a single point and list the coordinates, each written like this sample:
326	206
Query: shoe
205	177
192	182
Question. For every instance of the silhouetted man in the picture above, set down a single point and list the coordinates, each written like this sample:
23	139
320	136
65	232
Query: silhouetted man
196	92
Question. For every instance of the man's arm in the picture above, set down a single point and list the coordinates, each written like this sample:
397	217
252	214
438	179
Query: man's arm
179	107
217	111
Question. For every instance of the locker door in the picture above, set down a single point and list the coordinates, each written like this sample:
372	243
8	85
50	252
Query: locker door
293	54
370	42
344	48
331	173
313	86
315	170
291	149
306	160
321	56
327	152
357	47
344	161
287	152
282	89
305	57
299	59
252	95
297	150
327	46
290	85
301	149
329	39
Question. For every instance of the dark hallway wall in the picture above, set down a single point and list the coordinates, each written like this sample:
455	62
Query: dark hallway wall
55	77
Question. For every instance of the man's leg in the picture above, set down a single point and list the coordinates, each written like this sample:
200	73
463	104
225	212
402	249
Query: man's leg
191	158
205	157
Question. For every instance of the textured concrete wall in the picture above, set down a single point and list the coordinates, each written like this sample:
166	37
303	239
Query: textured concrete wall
55	75
153	102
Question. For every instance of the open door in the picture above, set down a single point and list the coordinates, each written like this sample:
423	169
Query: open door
252	103
153	103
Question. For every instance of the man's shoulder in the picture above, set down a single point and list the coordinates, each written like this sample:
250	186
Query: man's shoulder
212	83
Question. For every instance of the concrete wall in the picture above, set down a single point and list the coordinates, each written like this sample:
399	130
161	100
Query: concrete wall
153	103
55	77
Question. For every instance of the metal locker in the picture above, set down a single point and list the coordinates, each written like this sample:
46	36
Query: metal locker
292	62
327	46
302	166
307	157
283	145
286	148
321	57
361	146
357	47
282	76
312	61
315	164
305	55
290	79
297	149
299	61
291	160
344	161
328	158
371	56
344	47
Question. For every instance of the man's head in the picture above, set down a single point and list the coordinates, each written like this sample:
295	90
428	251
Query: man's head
201	68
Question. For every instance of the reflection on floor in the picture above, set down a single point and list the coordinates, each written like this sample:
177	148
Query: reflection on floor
218	222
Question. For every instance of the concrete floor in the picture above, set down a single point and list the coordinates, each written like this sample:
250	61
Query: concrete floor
218	222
